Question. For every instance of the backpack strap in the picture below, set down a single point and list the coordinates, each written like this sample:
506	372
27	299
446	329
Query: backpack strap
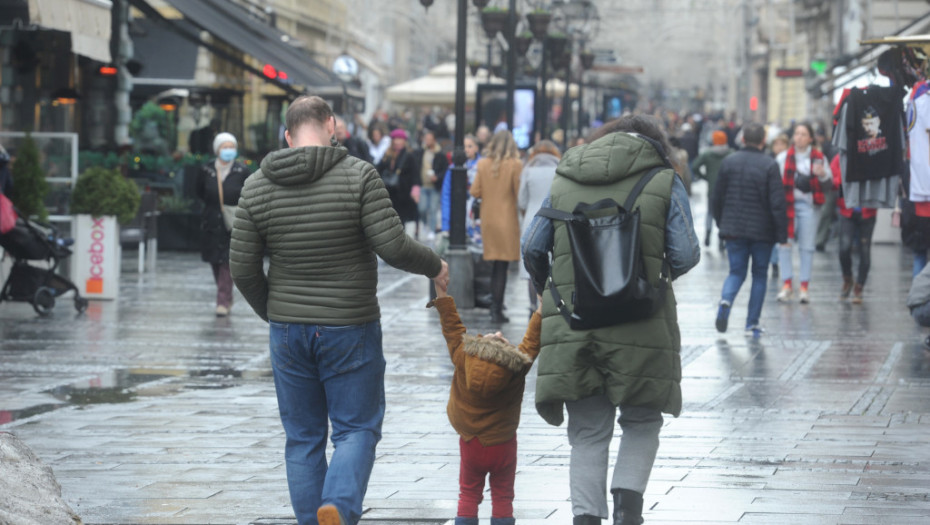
561	215
640	184
558	215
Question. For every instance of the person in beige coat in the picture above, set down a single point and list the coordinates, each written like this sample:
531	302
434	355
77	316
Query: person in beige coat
497	184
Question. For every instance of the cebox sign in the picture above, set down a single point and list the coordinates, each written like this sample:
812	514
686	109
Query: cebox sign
96	256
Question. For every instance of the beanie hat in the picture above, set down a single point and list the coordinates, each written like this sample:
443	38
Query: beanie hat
399	134
718	138
222	138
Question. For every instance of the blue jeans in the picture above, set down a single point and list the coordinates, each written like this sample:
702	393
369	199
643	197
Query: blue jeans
326	374
805	231
429	208
920	260
739	252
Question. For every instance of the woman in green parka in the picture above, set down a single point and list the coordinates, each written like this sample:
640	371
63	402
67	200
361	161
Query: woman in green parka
633	366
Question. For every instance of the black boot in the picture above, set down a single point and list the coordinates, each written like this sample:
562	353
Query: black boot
586	519
503	521
497	315
628	507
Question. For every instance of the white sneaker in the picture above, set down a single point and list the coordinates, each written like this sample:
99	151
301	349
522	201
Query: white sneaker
755	331
222	311
805	297
785	294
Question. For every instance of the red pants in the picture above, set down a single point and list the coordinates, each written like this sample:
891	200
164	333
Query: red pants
477	461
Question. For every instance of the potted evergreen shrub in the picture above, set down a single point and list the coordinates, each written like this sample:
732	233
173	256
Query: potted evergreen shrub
29	184
101	198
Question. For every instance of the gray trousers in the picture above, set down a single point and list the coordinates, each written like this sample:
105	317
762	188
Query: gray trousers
590	429
921	314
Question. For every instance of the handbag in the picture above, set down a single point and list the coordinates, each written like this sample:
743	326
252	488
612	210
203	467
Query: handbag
228	210
7	214
609	275
802	183
391	178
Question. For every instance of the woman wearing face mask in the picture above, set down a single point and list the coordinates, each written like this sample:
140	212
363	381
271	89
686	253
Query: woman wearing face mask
224	175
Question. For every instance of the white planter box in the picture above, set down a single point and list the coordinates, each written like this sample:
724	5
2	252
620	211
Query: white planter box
95	263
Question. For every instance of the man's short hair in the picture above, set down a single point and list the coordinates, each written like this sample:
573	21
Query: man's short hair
307	110
754	134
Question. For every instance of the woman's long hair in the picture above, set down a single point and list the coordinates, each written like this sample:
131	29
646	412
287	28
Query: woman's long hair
501	147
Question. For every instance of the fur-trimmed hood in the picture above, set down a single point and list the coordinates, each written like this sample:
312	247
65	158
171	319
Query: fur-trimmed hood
496	351
491	365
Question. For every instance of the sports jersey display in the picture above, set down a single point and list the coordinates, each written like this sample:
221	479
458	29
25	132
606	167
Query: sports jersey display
918	132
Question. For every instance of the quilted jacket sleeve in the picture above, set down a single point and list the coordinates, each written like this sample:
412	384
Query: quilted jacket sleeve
385	233
246	251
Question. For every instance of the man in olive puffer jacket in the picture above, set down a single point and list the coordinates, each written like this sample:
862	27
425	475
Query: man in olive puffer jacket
323	217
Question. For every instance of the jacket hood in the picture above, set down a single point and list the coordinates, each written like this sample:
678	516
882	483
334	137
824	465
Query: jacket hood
293	166
491	365
543	160
721	149
611	158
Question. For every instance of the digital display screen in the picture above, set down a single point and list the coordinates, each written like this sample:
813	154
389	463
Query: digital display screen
491	111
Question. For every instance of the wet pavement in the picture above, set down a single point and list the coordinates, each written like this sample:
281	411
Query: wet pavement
151	410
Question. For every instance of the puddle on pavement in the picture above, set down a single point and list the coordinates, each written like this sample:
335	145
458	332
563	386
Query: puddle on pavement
125	385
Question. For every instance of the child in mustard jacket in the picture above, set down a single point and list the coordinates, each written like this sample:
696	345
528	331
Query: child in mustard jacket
484	408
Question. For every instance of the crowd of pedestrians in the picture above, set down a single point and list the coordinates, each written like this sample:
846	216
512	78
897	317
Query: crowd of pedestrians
384	194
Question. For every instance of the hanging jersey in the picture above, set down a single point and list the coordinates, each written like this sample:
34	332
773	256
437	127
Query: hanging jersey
874	124
918	132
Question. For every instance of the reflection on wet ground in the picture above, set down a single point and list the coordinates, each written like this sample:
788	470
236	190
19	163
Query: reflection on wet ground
165	414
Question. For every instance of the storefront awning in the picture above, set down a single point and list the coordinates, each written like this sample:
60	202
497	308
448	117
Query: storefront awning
88	21
166	59
233	25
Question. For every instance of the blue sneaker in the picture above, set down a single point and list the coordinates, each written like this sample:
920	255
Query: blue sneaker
723	315
754	331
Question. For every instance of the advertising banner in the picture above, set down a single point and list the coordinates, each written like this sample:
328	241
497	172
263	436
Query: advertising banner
96	258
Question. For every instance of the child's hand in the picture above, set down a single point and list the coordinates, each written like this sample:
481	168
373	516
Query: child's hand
440	292
539	304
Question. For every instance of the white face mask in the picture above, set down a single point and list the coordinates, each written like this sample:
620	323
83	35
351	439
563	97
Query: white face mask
228	154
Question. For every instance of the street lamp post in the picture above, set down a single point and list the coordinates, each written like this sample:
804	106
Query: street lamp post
511	59
461	269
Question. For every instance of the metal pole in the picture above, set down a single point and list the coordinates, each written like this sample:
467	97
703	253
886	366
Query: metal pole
459	173
565	119
511	59
461	269
580	115
543	101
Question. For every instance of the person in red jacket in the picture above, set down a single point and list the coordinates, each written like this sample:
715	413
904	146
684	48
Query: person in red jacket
856	224
484	408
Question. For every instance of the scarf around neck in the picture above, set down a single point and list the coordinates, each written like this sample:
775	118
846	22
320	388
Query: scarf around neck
788	181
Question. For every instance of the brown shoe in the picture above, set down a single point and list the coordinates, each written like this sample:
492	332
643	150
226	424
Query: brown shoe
857	294
847	287
329	515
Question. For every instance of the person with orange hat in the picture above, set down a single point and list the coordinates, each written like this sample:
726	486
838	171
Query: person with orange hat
710	159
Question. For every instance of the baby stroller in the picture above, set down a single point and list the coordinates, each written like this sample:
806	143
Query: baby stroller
28	241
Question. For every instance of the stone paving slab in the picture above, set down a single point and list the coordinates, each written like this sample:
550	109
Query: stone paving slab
826	419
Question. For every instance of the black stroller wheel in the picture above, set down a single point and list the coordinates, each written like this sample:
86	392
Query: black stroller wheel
80	304
44	300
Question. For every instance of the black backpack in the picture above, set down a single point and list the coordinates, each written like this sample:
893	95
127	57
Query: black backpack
610	278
